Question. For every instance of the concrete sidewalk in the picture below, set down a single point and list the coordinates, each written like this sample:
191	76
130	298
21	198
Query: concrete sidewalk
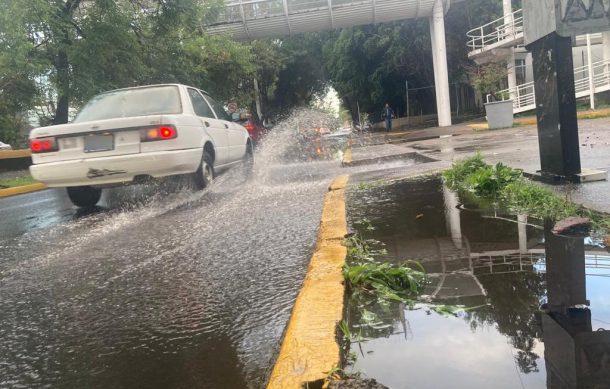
516	147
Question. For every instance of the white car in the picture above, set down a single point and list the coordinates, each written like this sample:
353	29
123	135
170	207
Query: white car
128	135
5	146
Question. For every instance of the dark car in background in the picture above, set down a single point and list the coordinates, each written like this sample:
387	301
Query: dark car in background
255	128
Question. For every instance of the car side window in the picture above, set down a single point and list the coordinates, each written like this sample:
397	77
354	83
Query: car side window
218	108
200	106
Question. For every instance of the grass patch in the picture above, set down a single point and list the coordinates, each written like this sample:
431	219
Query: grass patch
18	181
507	188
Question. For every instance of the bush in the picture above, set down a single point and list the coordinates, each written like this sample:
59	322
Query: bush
501	184
534	200
455	176
474	175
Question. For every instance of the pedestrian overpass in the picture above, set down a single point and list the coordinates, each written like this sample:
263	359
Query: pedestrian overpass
253	19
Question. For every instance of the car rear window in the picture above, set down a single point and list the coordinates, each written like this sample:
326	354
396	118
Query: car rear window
132	102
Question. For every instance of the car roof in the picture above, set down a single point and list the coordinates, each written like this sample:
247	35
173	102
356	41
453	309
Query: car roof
154	85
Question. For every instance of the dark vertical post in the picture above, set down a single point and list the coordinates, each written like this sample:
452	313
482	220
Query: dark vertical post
556	106
565	270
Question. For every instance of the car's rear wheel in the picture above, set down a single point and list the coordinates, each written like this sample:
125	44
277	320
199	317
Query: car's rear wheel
205	173
84	196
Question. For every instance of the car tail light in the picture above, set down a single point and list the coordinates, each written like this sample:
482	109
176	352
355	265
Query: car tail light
250	127
43	145
158	133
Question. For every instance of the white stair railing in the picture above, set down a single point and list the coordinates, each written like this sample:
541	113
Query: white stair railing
524	98
502	29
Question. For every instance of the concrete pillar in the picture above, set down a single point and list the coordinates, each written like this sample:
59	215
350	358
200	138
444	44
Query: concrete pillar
452	214
507	7
522	231
439	57
606	53
512	74
606	45
591	73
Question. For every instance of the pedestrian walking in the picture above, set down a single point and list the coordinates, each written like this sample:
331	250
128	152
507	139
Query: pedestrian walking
388	115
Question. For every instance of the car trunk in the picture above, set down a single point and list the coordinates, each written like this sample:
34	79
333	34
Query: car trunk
102	138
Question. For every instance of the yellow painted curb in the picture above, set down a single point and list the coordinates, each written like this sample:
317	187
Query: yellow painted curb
6	154
309	349
479	126
529	121
347	157
22	189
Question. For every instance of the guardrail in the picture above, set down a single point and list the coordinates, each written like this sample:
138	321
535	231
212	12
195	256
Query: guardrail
506	28
524	98
11	160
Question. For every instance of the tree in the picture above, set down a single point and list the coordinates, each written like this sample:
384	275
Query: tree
17	85
83	47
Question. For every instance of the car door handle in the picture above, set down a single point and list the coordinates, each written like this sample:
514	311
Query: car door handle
207	124
226	125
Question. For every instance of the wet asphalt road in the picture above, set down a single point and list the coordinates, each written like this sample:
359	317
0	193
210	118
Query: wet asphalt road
20	214
156	289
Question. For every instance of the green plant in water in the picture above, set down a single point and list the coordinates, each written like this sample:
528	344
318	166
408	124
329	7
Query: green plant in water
387	281
524	197
455	176
489	181
345	330
360	249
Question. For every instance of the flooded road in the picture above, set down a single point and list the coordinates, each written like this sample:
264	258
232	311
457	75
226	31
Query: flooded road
520	307
158	288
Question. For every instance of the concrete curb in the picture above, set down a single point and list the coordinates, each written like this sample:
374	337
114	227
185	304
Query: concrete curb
347	157
22	189
309	349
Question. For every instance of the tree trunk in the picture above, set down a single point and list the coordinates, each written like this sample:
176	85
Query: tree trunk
63	87
62	63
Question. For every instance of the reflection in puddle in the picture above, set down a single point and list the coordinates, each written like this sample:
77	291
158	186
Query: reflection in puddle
534	303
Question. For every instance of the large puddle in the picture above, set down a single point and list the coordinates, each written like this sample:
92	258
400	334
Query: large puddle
526	308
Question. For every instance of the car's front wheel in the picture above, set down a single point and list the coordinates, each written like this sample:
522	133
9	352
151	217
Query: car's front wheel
205	173
84	196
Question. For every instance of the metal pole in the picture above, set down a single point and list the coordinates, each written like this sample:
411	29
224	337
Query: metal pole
257	99
359	118
591	79
407	89
457	100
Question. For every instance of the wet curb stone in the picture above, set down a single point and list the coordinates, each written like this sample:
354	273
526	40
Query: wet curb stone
22	189
309	349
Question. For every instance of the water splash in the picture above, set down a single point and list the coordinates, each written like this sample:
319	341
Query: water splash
154	281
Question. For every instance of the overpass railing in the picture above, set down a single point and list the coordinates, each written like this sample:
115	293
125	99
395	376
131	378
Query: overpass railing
257	9
506	28
524	97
